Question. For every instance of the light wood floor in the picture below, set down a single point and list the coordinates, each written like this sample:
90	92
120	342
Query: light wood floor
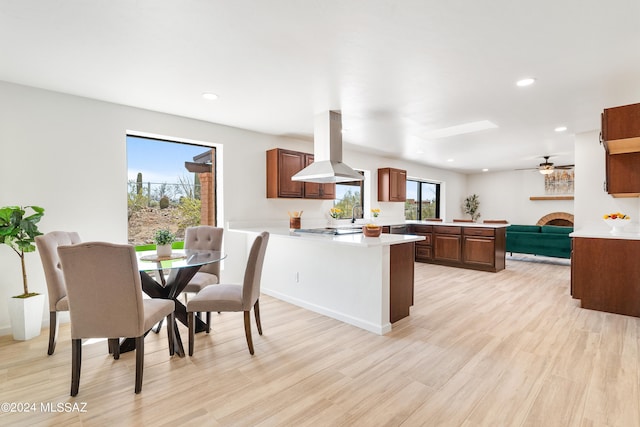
479	349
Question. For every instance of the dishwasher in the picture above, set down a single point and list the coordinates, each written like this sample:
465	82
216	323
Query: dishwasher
398	229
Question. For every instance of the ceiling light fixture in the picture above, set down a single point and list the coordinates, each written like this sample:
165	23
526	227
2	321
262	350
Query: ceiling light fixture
485	170
560	129
546	171
526	82
210	96
449	160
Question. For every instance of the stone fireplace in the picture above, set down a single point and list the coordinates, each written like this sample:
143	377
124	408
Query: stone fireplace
557	218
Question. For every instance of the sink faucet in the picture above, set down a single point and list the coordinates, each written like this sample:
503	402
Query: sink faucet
353	213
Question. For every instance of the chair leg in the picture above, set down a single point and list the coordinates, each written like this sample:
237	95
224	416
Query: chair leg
157	329
208	322
114	347
247	330
139	362
53	331
76	361
170	333
191	323
256	311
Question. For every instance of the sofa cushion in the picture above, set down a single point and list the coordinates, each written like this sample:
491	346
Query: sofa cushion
556	229
524	228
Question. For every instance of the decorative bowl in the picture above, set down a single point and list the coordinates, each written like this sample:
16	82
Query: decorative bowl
372	231
616	224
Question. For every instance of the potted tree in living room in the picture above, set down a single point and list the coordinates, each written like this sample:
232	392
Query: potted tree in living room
471	206
18	232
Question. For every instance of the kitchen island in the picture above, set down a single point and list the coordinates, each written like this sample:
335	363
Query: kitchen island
364	281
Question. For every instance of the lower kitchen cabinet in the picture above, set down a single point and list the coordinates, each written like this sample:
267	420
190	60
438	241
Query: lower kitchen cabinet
477	248
604	277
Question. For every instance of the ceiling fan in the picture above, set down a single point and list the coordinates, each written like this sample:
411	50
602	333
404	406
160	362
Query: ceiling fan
547	167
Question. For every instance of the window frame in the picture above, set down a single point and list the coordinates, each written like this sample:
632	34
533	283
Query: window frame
438	200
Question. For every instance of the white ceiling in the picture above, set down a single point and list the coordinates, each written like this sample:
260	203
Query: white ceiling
398	70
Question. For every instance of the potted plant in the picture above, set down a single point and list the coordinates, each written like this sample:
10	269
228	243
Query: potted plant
471	206
18	232
164	238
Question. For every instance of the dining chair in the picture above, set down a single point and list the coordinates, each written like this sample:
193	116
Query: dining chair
47	245
433	219
225	297
463	220
495	221
105	301
209	238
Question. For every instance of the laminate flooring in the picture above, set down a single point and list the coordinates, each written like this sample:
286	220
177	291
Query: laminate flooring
479	349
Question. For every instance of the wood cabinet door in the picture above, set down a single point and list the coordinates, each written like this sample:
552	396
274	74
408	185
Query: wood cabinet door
447	247
401	281
398	185
290	163
623	173
479	250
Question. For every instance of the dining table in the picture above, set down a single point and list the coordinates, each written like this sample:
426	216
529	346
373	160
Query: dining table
181	266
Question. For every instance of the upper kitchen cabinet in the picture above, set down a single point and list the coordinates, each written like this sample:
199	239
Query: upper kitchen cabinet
282	165
621	139
621	129
392	185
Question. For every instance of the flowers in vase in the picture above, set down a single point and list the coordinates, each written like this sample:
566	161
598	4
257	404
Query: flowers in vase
335	213
375	212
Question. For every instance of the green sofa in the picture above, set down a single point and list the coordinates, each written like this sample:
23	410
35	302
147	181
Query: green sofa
547	240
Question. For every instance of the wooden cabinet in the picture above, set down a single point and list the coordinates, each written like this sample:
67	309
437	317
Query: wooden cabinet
621	139
392	185
603	278
282	165
424	248
401	279
477	248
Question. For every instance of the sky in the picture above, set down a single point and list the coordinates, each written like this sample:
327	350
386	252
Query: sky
159	161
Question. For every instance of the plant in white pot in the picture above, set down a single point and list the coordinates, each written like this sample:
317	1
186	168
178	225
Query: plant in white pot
164	238
18	231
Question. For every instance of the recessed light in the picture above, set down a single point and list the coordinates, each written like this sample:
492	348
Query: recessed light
526	82
449	160
419	152
209	96
485	170
560	129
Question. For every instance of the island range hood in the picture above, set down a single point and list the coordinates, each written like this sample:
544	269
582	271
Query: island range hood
327	166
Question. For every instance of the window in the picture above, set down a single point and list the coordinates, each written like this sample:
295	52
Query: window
348	195
171	185
423	200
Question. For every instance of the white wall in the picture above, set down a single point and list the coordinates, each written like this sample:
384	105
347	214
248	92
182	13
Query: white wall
68	155
505	195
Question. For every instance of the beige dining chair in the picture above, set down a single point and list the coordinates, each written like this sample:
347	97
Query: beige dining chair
208	238
47	245
105	301
224	297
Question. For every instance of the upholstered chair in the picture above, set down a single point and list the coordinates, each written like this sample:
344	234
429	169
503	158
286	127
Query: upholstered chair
208	238
225	297
105	300
47	245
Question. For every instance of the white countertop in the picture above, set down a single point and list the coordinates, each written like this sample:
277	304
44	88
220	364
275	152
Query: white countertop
357	239
629	233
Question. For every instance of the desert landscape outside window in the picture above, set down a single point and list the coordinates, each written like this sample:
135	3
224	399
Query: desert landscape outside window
170	185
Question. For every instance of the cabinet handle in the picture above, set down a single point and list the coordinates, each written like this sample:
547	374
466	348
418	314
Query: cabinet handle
600	137
604	186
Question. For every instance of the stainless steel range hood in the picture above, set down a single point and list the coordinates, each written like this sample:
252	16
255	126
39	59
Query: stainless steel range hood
327	152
